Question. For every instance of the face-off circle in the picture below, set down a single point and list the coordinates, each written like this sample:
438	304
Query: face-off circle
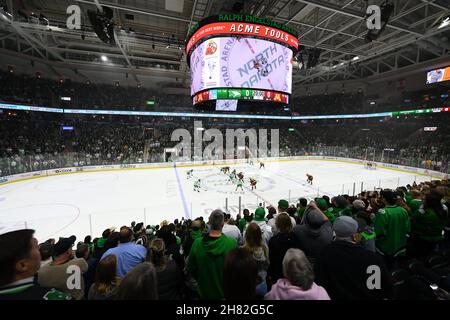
221	183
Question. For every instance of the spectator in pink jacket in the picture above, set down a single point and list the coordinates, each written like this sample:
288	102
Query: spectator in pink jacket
298	282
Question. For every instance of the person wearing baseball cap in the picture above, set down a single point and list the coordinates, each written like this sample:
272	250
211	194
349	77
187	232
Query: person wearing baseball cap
260	220
342	266
56	274
283	205
19	261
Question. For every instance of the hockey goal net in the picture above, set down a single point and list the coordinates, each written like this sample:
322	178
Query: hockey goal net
370	165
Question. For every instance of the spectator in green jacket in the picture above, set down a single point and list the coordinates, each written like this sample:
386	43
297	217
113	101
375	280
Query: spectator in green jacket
340	208
245	220
195	232
392	224
414	200
428	222
206	259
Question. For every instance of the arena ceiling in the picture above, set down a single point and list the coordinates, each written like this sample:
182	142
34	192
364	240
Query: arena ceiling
150	35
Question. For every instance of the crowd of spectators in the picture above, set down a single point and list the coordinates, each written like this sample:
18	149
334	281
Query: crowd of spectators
388	244
34	90
36	141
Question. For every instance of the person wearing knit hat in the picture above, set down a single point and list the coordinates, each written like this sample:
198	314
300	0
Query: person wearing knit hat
321	204
352	260
345	228
259	219
283	205
259	214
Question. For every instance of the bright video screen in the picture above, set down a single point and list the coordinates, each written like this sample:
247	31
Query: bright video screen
438	75
235	62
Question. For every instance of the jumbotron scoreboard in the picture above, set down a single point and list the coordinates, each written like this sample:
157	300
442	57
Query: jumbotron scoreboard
235	57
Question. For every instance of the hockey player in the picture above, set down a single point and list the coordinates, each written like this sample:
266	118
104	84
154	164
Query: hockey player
253	183
239	185
226	169
309	179
234	173
261	165
197	185
190	173
240	176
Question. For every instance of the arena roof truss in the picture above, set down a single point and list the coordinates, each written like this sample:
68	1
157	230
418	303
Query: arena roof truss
151	33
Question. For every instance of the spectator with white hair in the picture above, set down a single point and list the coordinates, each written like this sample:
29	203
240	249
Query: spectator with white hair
298	281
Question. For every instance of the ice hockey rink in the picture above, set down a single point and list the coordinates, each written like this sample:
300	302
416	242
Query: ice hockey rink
89	202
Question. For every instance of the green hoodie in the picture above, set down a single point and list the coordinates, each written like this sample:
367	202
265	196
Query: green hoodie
427	224
330	215
101	242
392	224
301	211
333	212
205	263
242	224
414	204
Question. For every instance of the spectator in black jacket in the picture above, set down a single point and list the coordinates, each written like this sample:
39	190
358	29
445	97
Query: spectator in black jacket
168	274
279	244
172	248
348	271
314	233
89	275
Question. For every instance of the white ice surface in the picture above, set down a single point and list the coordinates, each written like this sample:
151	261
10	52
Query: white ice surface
74	203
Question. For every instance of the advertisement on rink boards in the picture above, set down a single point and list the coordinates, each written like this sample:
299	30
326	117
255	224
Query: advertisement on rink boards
22	176
64	170
59	171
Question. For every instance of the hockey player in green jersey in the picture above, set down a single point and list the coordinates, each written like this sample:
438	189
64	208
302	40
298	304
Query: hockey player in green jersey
239	185
197	185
